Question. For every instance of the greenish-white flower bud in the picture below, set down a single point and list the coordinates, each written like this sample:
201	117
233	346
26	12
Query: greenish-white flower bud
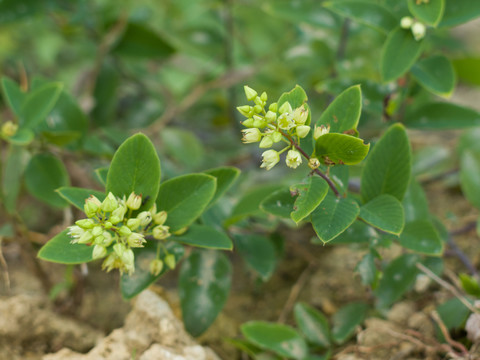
266	142
128	257
258	101
170	261
92	205
136	240
285	108
264	97
145	218
406	22
251	135
313	163
303	130
244	110
259	122
9	129
134	201
85	223
110	203
156	267
119	249
160	217
97	231
86	237
320	131
161	232
270	159
107	225
249	93
300	115
276	136
294	159
257	109
118	215
76	232
99	252
418	30
124	231
271	116
133	224
248	123
107	238
273	107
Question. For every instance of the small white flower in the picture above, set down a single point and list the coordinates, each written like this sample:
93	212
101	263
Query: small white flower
156	267
134	201
251	135
320	131
285	121
270	159
303	130
300	115
136	240
406	22
266	142
99	252
76	233
418	31
294	159
160	217
161	232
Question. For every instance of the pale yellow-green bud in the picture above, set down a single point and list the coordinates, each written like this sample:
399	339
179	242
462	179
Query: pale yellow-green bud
248	123
285	108
160	217
128	257
244	110
107	225
85	223
313	163
251	135
264	97
133	224
9	129
249	93
124	231
86	237
406	22
161	232
181	231
107	238
294	159
97	231
110	203
273	107
92	205
99	252
111	262
136	240
320	131
418	31
258	101
76	232
145	217
303	130
170	261
270	159
119	249
118	215
300	115
257	109
134	201
277	136
156	267
259	122
271	116
266	142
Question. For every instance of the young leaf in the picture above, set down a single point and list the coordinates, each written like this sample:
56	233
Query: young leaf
365	12
442	116
388	166
435	74
280	203
281	339
347	319
77	196
415	203
17	160
313	324
13	95
384	212
344	112
340	149
399	53
38	104
421	236
44	174
470	176
135	168
206	237
333	216
132	285
459	11
430	12
60	250
226	176
204	284
310	195
184	198
258	252
469	284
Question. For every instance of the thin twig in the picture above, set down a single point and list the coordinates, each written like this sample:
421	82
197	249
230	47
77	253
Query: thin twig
446	334
3	263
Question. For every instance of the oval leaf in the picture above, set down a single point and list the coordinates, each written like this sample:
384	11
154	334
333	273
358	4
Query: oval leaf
184	198
226	176
205	236
460	11
258	252
281	339
340	149
17	160
388	166
470	176
429	12
313	324
310	195
399	53
60	250
135	168
442	116
346	320
77	196
384	212
204	284
280	203
435	74
421	236
13	95
38	104
44	174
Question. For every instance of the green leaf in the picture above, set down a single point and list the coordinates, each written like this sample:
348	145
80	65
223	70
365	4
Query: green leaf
343	113
467	69
281	339
44	174
204	284
135	168
296	97
141	42
313	324
310	195
346	320
280	203
470	285
77	196
388	166
226	176
421	236
453	313
459	11
430	12
174	140
101	175
340	149
384	212
13	95
17	160
397	278
365	12
442	116
38	104
60	250
415	203
22	137
470	176
399	53
205	236
333	216
132	285
367	269
436	74
258	252
184	198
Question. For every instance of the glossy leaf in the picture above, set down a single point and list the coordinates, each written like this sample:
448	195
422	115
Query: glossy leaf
184	198
435	74
430	12
135	168
77	196
343	113
384	212
132	285
340	149
346	320
365	12
333	216
22	137
388	166
17	160
459	11
204	284
13	95
310	195
399	53
258	252
60	250
280	203
313	324
415	203
225	176
443	116
38	103
44	174
421	236
470	176
206	237
281	339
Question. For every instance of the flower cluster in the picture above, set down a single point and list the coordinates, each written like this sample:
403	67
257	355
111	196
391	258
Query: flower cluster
278	124
418	29
110	225
8	129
